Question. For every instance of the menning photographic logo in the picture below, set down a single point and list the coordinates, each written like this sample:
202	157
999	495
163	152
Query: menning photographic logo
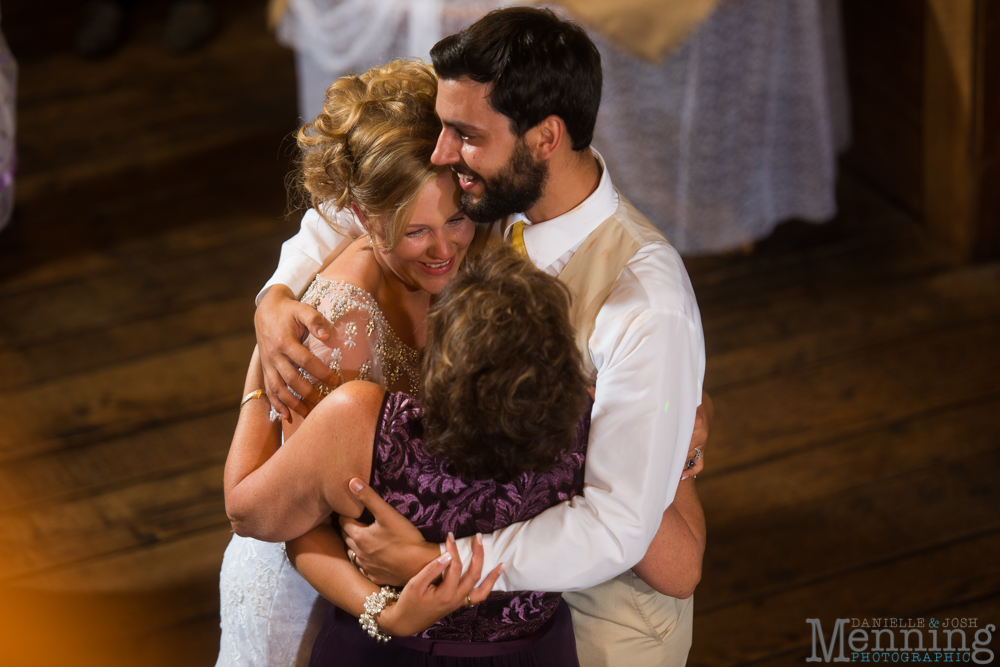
875	640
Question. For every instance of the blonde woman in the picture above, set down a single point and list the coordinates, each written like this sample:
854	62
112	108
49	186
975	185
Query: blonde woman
367	154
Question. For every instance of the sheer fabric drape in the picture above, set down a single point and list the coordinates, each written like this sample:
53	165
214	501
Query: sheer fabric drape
736	131
332	38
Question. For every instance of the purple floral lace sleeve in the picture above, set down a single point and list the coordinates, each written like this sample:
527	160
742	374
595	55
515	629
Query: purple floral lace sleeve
427	491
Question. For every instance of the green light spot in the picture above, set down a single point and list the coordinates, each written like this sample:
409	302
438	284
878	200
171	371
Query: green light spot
666	406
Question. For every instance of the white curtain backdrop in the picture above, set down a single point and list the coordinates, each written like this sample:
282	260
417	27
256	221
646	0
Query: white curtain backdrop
736	131
336	37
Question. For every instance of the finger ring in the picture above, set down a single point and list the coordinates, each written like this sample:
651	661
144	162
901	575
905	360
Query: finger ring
697	454
469	602
353	557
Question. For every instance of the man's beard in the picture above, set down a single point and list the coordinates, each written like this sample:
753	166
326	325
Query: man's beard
514	189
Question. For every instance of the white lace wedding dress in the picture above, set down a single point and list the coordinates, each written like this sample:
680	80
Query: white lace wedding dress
270	615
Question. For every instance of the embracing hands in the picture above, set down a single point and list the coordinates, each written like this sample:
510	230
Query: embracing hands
391	551
282	322
422	603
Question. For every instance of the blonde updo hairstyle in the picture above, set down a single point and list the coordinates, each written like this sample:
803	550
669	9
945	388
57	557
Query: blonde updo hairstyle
371	146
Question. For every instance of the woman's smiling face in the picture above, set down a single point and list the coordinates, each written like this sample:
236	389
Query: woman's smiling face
436	238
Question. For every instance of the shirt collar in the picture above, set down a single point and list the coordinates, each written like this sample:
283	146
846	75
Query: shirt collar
547	241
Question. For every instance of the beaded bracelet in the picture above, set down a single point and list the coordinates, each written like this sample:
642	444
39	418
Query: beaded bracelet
374	604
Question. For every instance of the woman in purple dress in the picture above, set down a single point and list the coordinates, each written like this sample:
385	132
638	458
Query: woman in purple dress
498	435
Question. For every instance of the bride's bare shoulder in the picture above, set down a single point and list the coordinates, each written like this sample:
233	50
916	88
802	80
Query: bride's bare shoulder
356	266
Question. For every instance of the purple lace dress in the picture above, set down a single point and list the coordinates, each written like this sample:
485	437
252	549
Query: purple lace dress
517	628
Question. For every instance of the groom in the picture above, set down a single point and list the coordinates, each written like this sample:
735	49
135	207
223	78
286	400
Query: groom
518	98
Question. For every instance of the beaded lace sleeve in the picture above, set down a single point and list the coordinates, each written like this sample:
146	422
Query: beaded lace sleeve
362	345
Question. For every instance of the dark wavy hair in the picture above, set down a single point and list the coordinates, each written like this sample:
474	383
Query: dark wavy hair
504	386
538	65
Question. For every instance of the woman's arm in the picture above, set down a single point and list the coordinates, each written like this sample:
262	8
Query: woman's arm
672	564
278	493
321	558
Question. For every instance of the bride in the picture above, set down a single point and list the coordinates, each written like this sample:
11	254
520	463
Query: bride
367	154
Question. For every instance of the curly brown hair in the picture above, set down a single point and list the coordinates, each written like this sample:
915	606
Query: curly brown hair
371	145
504	386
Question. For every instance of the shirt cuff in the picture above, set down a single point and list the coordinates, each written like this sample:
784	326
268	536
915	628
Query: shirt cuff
465	554
296	273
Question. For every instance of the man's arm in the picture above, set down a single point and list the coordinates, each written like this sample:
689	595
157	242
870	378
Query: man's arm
642	422
404	548
305	254
281	321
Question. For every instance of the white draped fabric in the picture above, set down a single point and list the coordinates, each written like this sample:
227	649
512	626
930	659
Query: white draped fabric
737	131
336	37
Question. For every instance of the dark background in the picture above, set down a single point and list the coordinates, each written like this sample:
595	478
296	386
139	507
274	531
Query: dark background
853	365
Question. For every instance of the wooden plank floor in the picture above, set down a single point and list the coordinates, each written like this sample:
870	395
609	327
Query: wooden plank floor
854	368
150	210
856	379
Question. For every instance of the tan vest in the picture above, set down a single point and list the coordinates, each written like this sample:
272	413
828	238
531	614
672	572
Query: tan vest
622	621
592	271
594	268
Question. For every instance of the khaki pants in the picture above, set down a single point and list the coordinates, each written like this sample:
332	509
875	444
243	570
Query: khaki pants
625	622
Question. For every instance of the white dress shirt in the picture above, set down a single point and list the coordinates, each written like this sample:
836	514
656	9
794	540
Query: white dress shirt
649	352
304	255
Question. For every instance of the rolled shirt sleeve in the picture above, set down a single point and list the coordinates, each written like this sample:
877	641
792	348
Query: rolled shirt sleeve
649	350
304	255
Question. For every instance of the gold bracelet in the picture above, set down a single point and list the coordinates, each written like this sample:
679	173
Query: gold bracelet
252	395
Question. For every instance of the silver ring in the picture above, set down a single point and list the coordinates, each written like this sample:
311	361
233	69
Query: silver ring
353	557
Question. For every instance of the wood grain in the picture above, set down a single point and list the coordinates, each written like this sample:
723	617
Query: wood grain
196	380
863	523
762	627
874	387
853	365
